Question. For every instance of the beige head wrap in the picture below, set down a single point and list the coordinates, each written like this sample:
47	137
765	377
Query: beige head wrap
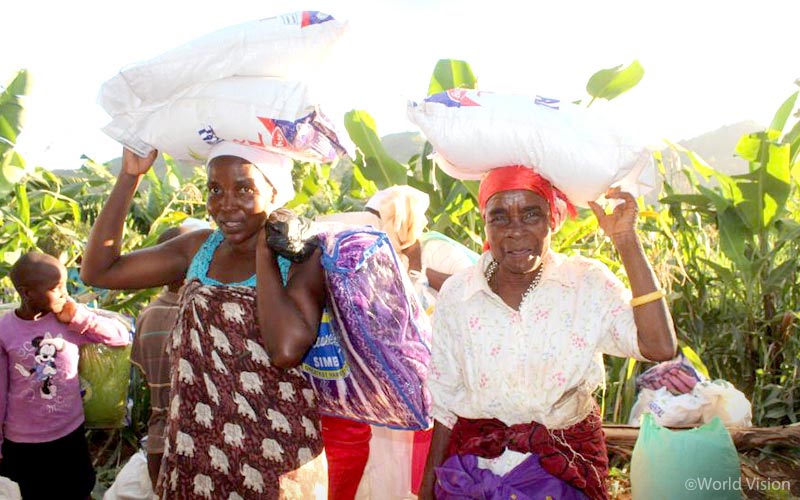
402	210
276	168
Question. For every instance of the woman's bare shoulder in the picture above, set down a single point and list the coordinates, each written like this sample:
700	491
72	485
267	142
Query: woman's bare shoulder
190	243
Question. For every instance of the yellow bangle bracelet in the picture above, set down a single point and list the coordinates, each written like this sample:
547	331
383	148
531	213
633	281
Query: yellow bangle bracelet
648	297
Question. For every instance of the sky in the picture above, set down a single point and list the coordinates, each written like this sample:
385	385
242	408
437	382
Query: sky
708	63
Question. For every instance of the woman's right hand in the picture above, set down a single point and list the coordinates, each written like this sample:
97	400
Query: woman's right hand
134	164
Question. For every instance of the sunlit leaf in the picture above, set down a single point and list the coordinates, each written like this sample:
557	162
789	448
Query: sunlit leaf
733	235
23	206
695	359
12	170
379	166
610	83
783	113
451	74
748	147
11	110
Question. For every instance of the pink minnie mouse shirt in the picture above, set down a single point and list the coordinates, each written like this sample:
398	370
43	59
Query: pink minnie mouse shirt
40	394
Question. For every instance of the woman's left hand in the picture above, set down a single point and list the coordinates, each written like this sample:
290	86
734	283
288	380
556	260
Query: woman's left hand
261	242
622	220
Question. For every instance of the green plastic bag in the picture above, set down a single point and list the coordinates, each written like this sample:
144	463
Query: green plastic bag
699	463
105	376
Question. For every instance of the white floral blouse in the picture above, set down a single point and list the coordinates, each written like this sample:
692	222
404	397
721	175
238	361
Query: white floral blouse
541	363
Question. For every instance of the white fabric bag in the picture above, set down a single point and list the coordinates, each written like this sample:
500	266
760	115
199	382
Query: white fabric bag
580	151
268	113
285	46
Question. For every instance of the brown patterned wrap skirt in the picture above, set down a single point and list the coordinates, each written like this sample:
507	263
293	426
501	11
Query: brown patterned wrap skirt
237	426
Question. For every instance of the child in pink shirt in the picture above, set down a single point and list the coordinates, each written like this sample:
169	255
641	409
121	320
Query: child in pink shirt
44	445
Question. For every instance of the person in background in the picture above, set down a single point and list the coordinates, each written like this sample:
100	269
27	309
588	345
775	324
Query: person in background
242	419
153	328
44	446
518	343
397	458
429	256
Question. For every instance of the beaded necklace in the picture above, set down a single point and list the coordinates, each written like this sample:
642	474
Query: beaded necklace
491	270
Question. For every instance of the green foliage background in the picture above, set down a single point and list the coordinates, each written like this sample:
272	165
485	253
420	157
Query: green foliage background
727	253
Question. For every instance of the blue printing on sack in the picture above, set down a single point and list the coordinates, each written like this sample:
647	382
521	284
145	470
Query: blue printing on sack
317	17
547	102
326	360
443	98
329	263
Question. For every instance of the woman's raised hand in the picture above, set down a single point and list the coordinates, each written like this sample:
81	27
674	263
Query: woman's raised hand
622	219
134	164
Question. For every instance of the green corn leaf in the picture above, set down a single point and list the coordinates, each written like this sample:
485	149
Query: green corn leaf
780	276
783	113
733	235
777	182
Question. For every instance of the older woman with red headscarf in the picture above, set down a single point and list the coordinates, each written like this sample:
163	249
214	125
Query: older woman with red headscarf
518	345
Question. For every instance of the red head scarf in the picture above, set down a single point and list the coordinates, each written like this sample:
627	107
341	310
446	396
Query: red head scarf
519	177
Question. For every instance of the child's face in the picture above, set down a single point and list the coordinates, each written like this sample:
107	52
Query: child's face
48	292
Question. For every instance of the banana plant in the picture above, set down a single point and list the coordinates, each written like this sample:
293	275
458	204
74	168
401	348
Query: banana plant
12	166
452	202
612	82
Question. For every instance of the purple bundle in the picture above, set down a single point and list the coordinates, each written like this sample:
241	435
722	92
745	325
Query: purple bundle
383	335
679	376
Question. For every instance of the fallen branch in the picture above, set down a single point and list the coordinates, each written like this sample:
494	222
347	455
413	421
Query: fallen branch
745	438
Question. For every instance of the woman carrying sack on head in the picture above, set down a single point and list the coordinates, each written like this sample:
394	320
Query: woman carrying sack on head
518	343
242	420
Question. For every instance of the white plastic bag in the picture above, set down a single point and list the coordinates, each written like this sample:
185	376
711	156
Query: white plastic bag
283	46
132	481
387	475
578	150
708	399
668	409
9	490
270	113
726	402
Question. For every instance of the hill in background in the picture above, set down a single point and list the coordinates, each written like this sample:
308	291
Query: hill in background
114	166
716	148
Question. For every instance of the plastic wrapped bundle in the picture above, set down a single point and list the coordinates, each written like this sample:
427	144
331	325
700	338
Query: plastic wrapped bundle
105	376
679	376
371	359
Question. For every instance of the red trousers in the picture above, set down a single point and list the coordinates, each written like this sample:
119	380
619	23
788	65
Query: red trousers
347	451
